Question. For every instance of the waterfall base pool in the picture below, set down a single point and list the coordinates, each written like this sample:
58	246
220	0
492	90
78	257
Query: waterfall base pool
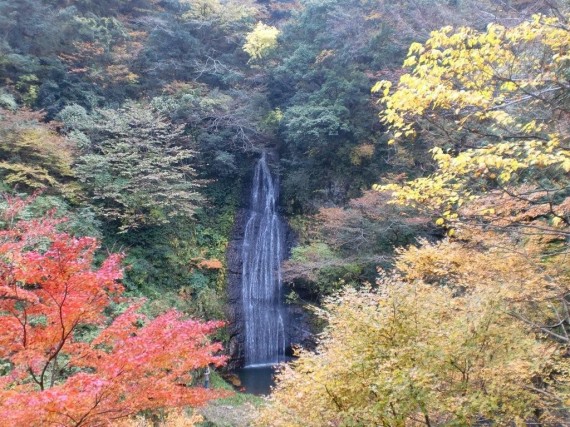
257	380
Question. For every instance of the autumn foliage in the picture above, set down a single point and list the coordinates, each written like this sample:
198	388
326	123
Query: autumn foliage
32	154
447	339
494	106
473	329
51	299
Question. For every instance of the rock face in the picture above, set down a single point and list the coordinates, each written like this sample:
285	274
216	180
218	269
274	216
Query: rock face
298	325
235	306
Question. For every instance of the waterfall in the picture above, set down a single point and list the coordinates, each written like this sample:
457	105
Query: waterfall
262	254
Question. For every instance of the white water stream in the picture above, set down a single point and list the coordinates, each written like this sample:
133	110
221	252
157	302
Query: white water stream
262	253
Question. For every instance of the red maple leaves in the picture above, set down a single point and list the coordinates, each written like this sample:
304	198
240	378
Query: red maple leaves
49	294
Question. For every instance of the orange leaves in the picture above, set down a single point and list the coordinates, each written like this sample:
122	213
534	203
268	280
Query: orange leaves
211	264
49	291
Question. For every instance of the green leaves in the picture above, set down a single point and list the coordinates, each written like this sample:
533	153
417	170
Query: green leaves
138	169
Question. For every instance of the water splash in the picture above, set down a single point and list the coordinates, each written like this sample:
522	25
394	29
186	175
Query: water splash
262	254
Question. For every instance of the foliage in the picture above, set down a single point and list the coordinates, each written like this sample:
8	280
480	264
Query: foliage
369	224
33	156
492	104
223	124
440	343
318	271
49	294
223	13
260	41
472	329
329	54
87	63
137	169
79	222
166	263
343	246
172	418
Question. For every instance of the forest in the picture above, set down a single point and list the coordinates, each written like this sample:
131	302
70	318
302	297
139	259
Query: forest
367	201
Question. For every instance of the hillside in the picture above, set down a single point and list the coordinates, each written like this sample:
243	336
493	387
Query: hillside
412	159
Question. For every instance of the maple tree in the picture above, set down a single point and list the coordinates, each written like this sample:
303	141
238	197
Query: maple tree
50	298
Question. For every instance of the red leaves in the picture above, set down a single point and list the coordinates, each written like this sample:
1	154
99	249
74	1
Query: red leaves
48	290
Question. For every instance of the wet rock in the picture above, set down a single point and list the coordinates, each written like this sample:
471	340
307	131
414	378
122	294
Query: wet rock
234	312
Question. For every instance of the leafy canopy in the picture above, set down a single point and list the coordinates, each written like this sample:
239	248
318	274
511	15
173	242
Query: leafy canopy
67	363
33	155
492	104
438	343
261	41
137	168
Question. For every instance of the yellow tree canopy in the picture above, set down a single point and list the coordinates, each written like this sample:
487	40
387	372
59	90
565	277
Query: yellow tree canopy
441	342
261	40
494	106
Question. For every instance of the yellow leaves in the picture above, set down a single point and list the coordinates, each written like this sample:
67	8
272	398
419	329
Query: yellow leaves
531	127
436	337
409	62
463	70
34	156
440	221
509	86
360	153
383	86
261	41
415	48
500	117
30	176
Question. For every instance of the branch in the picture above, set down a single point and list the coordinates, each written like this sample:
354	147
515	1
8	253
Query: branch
539	327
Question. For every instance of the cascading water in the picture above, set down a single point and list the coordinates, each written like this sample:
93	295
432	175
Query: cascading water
262	253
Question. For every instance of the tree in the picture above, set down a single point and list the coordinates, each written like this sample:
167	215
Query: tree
33	155
493	106
64	361
137	168
261	41
438	343
345	245
495	116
